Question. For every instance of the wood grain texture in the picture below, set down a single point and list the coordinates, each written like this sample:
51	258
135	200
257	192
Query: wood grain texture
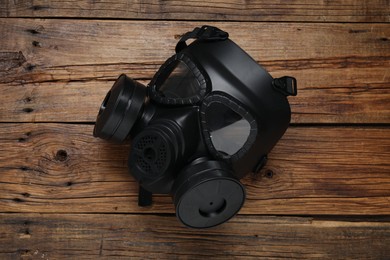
59	236
59	70
271	10
324	194
312	170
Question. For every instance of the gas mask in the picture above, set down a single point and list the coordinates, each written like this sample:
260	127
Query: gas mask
209	116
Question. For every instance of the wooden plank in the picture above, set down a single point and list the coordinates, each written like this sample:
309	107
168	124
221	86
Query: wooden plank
353	96
312	170
59	70
59	236
271	10
56	42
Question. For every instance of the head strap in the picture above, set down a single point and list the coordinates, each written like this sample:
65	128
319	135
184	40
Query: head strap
204	33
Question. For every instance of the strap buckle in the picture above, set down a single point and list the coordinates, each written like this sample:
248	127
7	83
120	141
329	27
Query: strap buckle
211	33
286	85
204	33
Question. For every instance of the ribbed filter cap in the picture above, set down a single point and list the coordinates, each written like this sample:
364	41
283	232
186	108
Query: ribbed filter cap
120	109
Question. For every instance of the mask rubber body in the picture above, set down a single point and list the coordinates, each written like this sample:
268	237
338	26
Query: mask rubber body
232	71
196	133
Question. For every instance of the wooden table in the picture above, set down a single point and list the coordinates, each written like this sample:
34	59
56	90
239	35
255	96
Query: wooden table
325	192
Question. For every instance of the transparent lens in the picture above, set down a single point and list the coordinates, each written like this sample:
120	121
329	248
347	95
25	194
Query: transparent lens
180	83
228	130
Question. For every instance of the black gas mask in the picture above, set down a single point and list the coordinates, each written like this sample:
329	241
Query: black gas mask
209	116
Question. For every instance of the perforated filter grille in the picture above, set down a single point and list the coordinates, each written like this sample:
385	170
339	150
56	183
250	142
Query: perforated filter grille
145	166
146	141
151	156
162	157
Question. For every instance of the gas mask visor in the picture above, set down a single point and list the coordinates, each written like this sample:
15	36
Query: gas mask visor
229	129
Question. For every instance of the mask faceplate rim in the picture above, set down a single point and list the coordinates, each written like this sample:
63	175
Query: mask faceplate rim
163	73
237	107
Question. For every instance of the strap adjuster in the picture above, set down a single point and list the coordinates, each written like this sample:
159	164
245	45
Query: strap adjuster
286	85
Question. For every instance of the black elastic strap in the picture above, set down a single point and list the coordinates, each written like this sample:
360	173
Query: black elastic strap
286	85
204	33
144	197
260	164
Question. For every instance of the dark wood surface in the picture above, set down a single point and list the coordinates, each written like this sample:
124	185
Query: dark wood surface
89	236
271	10
325	192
